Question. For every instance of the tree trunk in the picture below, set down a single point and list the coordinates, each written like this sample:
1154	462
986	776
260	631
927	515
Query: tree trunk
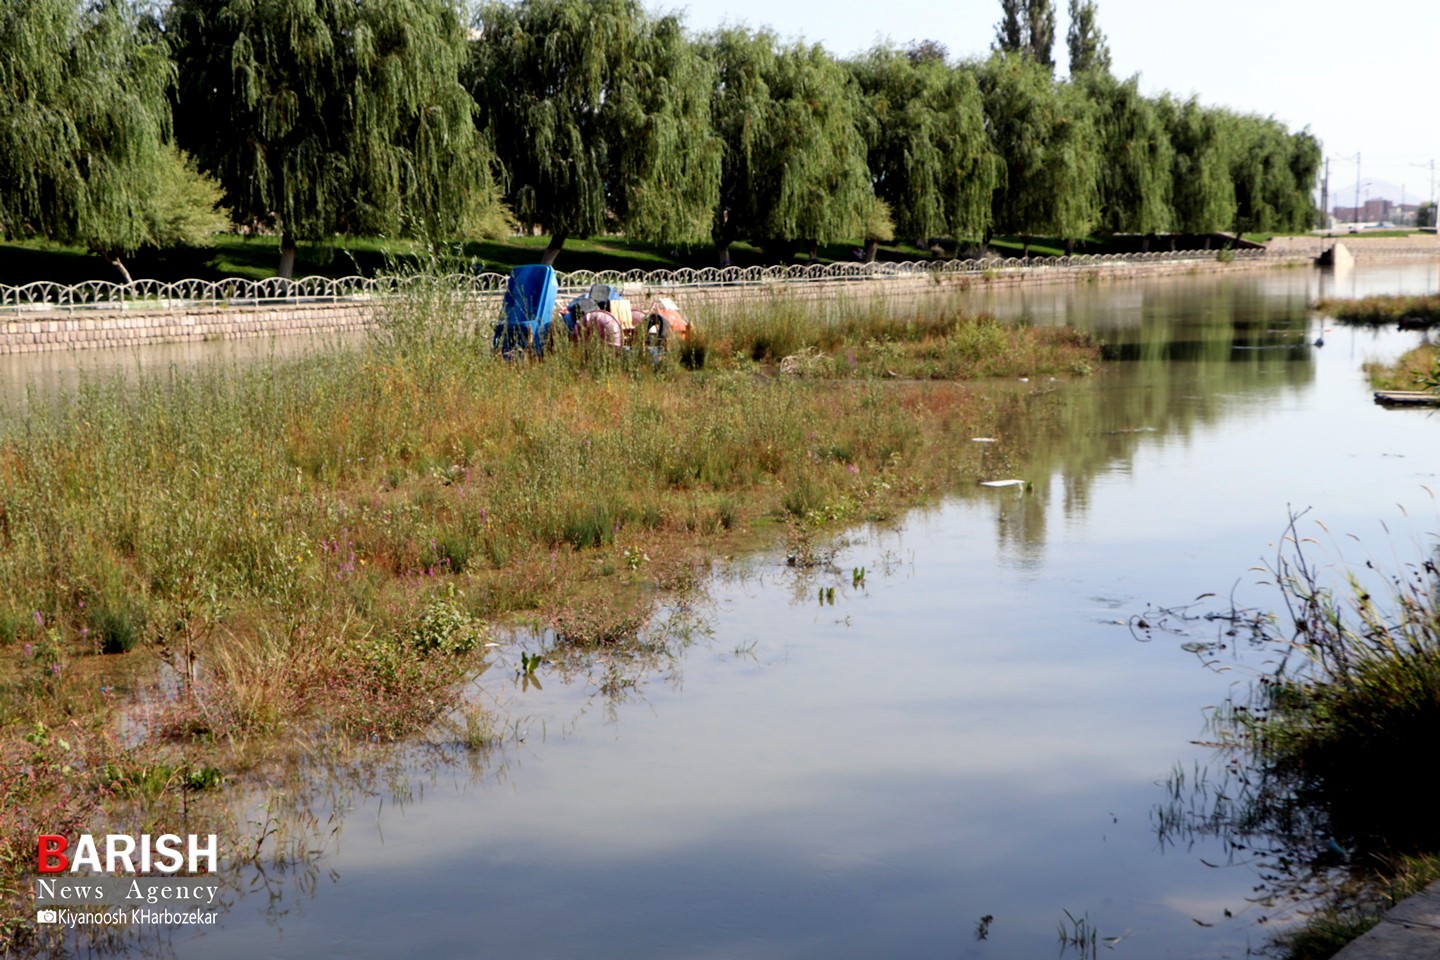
557	241
1069	246
114	260
287	256
1025	247
814	252
1145	244
872	246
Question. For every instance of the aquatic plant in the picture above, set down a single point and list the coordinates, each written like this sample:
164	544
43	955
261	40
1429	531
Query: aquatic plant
1317	783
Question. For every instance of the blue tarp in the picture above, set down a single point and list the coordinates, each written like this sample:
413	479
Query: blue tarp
529	304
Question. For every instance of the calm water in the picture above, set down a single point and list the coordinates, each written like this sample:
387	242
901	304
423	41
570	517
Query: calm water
974	731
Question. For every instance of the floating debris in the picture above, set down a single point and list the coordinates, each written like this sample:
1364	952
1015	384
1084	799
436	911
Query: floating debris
983	440
1002	483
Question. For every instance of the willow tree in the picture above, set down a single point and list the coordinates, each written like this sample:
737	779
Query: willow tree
1046	137
84	119
1203	194
325	116
1273	172
1138	161
600	118
929	155
794	162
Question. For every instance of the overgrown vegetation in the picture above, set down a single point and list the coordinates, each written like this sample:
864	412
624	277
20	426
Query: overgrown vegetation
249	561
1422	310
1417	369
1320	782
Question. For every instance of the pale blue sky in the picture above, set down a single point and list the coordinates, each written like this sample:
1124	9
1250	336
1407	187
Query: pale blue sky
1363	76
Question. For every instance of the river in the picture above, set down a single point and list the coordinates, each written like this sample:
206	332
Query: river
972	731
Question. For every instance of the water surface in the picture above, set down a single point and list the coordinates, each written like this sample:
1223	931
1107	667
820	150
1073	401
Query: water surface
974	731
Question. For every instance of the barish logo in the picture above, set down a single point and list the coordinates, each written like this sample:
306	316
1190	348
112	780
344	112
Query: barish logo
166	853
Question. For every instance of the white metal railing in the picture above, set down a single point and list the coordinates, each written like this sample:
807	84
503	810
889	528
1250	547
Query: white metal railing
47	297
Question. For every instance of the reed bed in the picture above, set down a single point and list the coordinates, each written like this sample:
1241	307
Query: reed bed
1326	754
1423	309
1417	369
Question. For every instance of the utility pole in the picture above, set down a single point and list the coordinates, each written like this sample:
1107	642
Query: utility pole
1355	216
1325	197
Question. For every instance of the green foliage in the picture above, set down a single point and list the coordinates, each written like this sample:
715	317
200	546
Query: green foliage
323	117
1136	175
794	163
1272	171
444	626
1203	194
929	156
1088	50
597	110
1027	28
1382	308
1040	22
84	117
117	626
185	210
1335	728
1046	134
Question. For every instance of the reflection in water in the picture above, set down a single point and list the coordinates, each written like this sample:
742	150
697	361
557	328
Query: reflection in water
968	731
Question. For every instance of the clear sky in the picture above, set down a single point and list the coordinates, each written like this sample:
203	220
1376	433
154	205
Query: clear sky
1364	76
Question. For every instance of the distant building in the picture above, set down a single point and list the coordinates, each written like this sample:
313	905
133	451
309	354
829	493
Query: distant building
1372	212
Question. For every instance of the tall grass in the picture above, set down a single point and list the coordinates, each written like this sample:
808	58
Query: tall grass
1417	369
918	337
314	547
1326	757
1386	308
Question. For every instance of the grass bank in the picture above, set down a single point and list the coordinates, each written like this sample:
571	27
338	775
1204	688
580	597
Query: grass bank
1423	310
203	570
1417	369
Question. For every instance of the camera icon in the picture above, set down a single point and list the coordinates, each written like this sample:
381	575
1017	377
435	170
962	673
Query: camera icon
47	916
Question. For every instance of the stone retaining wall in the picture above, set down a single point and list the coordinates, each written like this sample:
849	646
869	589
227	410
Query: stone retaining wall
105	327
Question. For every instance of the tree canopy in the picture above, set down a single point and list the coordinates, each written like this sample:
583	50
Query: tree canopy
1136	174
929	155
84	125
1046	137
324	116
402	117
794	163
1027	28
1089	53
597	111
1203	195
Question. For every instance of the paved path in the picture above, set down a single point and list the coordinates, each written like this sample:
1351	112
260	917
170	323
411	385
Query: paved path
1417	244
1410	931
